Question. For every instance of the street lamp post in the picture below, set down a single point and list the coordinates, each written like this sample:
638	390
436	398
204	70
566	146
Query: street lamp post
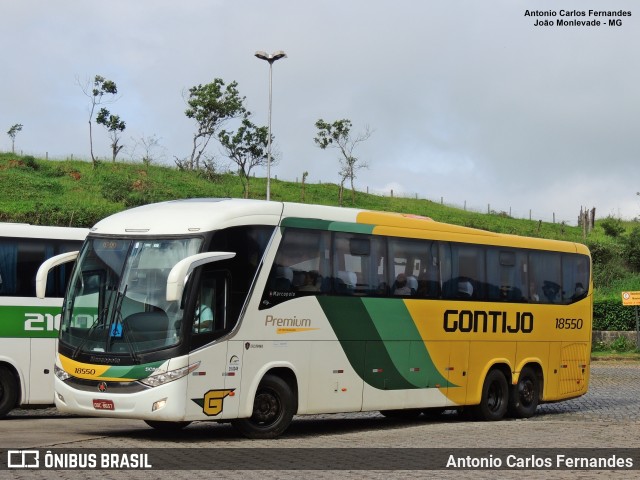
270	58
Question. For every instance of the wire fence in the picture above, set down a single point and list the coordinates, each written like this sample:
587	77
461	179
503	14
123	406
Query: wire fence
488	209
548	217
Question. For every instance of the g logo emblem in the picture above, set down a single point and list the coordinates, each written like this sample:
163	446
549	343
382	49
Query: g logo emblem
213	401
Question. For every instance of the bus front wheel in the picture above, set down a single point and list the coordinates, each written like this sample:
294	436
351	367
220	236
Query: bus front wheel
525	395
495	397
8	391
273	410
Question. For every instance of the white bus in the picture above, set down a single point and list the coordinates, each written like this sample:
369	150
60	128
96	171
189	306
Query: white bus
254	311
28	325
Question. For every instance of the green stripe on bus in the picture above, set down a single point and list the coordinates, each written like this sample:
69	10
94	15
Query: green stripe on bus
368	353
137	372
29	322
315	224
312	223
402	340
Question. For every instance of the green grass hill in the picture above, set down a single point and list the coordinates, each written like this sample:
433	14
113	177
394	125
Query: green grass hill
75	193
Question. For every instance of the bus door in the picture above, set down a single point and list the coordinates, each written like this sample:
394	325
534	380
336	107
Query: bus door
457	372
211	390
43	352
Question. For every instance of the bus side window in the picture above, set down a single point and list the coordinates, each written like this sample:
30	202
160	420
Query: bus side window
8	267
546	270
19	262
463	270
507	275
301	266
358	264
210	313
575	277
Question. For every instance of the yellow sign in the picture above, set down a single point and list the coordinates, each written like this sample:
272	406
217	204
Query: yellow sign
630	298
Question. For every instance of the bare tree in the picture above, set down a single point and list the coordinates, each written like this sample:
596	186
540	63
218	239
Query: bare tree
338	135
150	145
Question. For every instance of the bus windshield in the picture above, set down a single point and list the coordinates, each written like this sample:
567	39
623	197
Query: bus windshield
117	296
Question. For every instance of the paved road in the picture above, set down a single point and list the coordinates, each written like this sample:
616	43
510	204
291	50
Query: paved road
607	417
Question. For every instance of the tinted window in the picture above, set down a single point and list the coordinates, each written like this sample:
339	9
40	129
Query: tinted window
20	259
464	271
343	263
359	265
506	275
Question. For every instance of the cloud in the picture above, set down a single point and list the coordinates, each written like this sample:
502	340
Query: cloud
468	100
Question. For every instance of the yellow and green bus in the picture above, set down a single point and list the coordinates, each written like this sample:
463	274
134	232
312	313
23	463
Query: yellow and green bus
254	311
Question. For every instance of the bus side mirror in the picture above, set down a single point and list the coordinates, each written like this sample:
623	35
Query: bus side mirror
47	266
181	270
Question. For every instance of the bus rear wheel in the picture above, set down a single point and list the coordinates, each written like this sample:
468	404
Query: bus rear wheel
273	410
8	391
495	397
525	395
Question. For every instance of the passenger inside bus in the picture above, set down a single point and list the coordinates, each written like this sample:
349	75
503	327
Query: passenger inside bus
465	289
533	292
401	286
203	321
311	283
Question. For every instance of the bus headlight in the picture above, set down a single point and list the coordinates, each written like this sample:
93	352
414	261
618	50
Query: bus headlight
60	373
170	376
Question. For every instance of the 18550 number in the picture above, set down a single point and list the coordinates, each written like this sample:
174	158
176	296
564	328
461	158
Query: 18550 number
569	323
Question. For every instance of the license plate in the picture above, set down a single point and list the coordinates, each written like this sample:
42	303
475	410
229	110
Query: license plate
103	404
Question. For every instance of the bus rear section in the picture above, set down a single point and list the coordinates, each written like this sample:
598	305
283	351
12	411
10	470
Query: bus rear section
28	325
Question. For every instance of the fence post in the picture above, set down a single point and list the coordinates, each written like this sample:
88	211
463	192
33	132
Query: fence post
637	330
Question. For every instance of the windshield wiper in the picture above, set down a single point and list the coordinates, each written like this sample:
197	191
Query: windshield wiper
124	331
96	322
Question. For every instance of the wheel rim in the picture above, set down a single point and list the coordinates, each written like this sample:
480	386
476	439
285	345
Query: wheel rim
526	392
495	397
266	408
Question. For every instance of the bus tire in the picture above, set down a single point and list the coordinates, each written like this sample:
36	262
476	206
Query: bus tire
8	391
166	426
495	397
273	410
525	395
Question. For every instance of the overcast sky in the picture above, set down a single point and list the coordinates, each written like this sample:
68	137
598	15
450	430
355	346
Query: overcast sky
467	100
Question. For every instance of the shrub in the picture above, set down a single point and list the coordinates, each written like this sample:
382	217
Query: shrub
31	162
613	316
613	227
600	346
631	249
622	344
